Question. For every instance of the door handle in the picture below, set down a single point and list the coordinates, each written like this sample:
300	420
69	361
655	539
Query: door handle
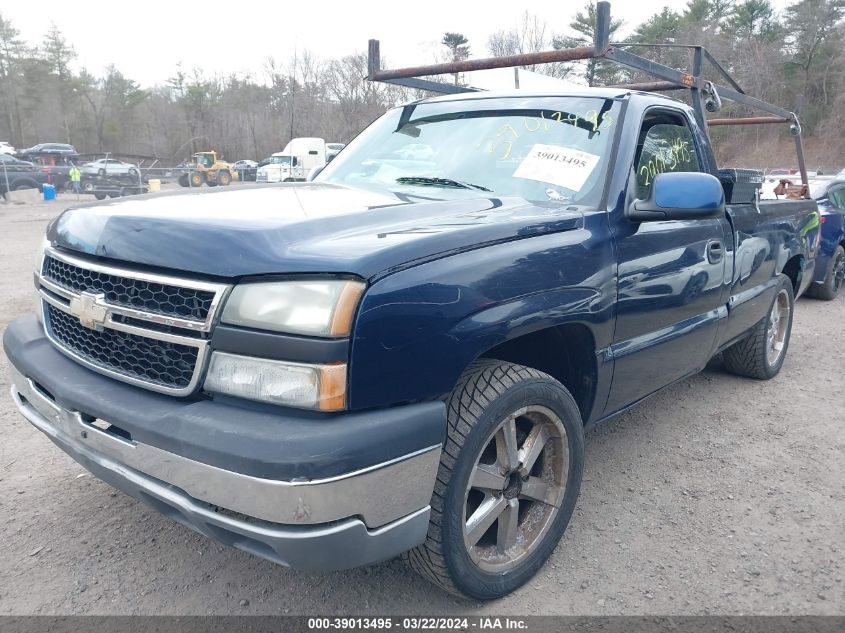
715	252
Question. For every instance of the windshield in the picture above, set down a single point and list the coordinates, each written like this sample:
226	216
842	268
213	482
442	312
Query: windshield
538	148
280	160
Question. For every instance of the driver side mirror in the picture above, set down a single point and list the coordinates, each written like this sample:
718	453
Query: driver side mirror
680	196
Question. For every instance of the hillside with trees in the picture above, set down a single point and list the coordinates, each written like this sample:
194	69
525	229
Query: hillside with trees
794	58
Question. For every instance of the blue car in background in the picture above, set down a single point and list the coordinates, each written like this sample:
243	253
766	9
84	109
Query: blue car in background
830	263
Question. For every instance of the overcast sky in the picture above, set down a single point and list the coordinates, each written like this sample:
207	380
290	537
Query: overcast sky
146	40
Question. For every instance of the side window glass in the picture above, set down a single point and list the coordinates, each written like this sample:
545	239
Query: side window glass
838	198
666	147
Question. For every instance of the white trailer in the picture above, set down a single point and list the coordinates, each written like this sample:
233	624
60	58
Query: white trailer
295	162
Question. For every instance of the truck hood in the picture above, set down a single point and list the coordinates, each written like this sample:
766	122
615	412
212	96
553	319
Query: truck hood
298	228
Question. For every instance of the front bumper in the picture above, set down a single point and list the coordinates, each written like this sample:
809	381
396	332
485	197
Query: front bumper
332	522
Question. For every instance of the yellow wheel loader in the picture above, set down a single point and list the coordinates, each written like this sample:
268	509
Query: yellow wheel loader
207	168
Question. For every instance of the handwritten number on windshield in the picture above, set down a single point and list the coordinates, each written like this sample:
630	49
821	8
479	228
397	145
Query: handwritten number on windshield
502	144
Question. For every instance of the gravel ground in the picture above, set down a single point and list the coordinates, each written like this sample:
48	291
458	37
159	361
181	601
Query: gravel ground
716	496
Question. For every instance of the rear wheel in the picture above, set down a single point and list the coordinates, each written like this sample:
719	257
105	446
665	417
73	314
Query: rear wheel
101	172
834	277
87	185
223	177
762	353
507	484
100	196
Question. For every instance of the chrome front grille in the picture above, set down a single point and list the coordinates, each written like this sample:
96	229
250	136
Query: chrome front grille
145	329
140	294
157	362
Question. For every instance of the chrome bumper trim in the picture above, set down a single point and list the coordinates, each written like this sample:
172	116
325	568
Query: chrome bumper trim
379	494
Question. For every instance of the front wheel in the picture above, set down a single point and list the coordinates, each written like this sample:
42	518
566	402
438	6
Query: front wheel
761	354
196	178
507	484
223	177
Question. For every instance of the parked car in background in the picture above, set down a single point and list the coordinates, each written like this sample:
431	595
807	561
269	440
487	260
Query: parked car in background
16	174
63	148
830	261
5	148
109	167
10	163
246	169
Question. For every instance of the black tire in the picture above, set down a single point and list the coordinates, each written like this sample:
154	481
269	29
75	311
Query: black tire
87	185
834	278
29	184
196	178
223	177
484	400
183	180
211	183
101	172
100	196
751	357
132	171
288	180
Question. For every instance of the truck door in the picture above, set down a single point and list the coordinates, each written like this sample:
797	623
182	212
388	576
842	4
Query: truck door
671	281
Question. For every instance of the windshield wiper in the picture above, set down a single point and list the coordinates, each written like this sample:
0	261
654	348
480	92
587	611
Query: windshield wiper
438	182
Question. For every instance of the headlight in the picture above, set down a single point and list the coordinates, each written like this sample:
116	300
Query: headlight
321	387
313	308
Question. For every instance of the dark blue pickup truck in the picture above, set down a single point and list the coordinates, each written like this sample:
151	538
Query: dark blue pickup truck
402	357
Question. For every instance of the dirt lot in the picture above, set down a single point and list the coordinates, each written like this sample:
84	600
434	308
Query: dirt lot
717	496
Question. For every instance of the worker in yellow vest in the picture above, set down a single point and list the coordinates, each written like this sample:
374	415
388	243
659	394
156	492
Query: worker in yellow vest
75	176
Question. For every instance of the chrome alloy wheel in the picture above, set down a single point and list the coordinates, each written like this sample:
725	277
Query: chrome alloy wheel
778	327
516	488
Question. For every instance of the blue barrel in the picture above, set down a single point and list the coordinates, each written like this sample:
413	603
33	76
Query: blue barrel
49	192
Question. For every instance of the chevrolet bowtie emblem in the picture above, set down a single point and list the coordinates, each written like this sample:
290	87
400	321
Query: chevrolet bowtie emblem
90	310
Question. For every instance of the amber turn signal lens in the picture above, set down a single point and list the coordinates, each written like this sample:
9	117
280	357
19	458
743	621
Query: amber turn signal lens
332	387
344	311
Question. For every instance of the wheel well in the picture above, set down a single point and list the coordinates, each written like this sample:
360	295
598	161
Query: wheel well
794	269
565	352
